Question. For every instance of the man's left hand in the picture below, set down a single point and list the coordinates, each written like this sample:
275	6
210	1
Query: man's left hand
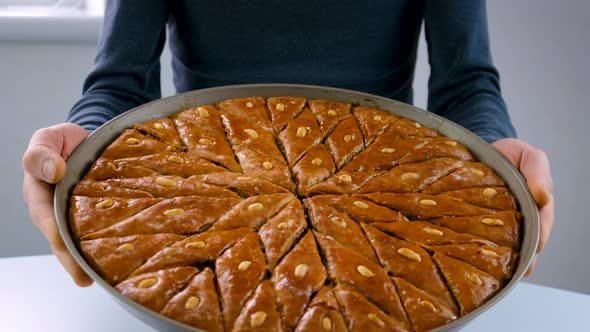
534	166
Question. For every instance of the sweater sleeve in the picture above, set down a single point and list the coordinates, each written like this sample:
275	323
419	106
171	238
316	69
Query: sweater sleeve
464	84
126	72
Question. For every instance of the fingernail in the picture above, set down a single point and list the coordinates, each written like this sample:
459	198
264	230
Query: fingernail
48	170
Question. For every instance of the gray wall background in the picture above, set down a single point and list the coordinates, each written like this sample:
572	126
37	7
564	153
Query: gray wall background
540	46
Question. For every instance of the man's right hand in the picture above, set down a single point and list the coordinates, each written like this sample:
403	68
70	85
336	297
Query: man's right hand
44	163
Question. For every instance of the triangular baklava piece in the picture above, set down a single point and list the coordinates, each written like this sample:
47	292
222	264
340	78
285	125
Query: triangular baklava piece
253	212
151	186
498	198
411	177
362	315
132	143
260	312
345	141
383	154
502	227
314	167
242	132
408	128
437	147
471	175
153	290
346	266
280	232
360	209
91	214
239	271
251	109
300	135
258	164
323	314
426	234
328	113
327	220
174	163
104	169
372	121
179	215
163	130
201	131
196	249
197	305
116	257
299	274
471	287
101	189
500	262
343	183
424	206
283	110
407	260
243	185
425	312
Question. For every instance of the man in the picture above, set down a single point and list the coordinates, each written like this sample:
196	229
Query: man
368	46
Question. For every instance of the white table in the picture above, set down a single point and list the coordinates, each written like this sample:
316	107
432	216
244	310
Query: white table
37	295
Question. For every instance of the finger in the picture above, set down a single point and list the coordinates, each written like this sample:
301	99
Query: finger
534	166
511	148
63	138
48	149
39	197
547	217
74	270
44	164
531	268
540	194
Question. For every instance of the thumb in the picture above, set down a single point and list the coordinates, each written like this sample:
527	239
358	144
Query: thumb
535	168
49	147
44	164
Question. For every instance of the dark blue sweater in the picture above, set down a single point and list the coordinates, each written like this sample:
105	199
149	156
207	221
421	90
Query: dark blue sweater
369	46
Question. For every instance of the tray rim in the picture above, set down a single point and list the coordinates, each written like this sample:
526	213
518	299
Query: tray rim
484	152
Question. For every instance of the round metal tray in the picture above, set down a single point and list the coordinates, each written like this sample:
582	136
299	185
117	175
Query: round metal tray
90	149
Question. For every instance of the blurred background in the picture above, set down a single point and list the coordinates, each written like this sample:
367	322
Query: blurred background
541	48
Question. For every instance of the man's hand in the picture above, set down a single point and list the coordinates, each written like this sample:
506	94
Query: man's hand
44	164
534	166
